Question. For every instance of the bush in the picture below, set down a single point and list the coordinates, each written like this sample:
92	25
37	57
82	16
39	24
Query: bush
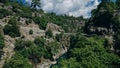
41	21
88	52
17	61
2	44
49	33
4	13
21	44
12	28
53	49
30	51
59	37
1	41
39	41
22	11
30	31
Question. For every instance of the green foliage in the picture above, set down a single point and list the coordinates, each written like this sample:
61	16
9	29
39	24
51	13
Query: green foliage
12	28
69	24
49	33
59	37
17	61
34	51
1	41
2	44
53	47
39	41
48	50
70	63
118	4
20	44
116	23
35	4
117	39
30	31
20	10
41	21
29	50
102	17
116	27
106	16
29	21
89	53
4	13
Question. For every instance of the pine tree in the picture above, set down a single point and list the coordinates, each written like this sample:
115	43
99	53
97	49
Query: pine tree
35	4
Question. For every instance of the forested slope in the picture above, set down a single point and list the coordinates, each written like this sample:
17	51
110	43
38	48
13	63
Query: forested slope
30	38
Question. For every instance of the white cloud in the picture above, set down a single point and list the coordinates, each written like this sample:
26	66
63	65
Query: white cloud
74	8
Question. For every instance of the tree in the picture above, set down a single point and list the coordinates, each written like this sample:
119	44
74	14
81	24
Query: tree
117	39
59	37
30	31
17	61
116	27
12	28
35	4
2	44
21	44
88	53
1	41
53	49
30	50
118	4
41	21
4	13
39	41
49	33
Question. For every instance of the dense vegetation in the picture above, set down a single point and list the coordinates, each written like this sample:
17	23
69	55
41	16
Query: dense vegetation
94	51
88	53
27	51
12	28
17	61
49	33
4	13
2	44
88	49
1	41
106	17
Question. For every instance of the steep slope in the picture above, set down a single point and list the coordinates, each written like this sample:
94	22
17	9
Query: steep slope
31	39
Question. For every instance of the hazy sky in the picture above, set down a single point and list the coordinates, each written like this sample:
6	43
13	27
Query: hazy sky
74	8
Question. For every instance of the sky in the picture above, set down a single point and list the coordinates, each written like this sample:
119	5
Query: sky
74	8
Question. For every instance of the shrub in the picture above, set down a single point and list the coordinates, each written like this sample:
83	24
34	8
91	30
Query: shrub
39	41
2	44
29	50
49	33
17	61
58	37
12	28
30	31
4	13
1	41
41	21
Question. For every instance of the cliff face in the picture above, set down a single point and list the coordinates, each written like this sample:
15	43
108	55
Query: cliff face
9	48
